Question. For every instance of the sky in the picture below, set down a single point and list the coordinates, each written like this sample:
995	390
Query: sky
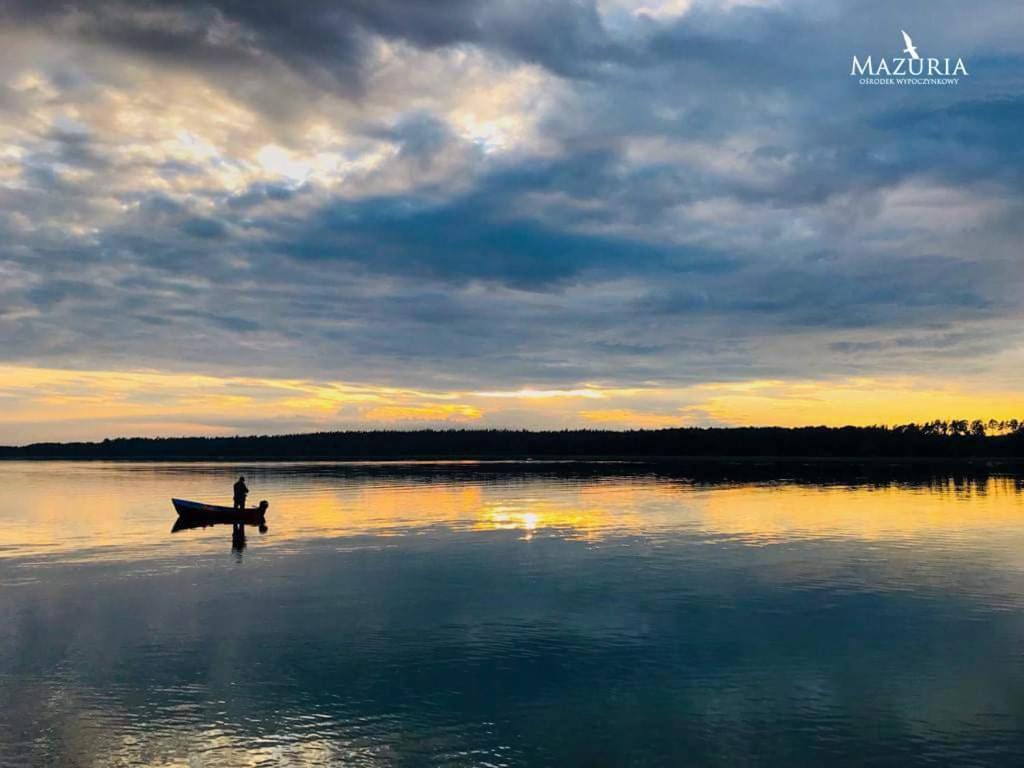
231	217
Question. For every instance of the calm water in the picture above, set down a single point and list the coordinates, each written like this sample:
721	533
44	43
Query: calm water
494	615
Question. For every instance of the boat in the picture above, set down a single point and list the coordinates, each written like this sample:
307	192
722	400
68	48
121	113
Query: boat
210	514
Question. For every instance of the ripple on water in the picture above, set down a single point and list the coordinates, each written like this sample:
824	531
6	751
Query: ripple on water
470	616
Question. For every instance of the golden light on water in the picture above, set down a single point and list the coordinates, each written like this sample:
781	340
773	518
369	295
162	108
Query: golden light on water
125	507
884	513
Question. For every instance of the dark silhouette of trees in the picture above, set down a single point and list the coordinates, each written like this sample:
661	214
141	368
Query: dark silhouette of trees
955	439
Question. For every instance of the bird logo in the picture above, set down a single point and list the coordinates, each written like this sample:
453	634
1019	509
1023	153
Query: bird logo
910	49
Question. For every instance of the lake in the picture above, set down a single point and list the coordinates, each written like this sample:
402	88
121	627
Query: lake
510	614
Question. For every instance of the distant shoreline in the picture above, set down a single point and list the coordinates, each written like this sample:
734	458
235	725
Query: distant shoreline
937	442
636	460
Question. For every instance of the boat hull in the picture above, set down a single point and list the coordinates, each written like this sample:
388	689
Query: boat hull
195	511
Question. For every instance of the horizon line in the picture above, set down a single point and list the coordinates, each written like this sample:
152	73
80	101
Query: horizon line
958	427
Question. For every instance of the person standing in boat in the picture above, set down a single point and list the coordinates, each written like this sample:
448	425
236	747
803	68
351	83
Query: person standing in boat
241	491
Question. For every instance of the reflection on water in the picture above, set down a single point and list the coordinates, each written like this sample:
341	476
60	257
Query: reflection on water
238	537
474	614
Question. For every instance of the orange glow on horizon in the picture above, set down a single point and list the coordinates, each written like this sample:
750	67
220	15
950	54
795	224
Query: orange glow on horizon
56	404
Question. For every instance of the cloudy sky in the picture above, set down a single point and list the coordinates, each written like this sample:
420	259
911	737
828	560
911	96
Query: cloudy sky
223	217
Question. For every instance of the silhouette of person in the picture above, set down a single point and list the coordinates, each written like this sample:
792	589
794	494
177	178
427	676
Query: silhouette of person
241	491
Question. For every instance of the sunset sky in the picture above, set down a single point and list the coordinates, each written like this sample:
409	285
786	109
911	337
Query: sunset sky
246	217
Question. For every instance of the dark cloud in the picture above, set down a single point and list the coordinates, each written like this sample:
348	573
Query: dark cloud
326	40
420	136
467	240
261	193
199	226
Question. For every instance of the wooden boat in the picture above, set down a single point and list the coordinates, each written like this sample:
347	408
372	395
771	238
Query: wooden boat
209	514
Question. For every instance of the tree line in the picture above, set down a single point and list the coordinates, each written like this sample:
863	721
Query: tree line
955	439
960	427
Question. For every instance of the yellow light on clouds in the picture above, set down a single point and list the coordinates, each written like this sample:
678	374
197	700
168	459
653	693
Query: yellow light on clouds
55	404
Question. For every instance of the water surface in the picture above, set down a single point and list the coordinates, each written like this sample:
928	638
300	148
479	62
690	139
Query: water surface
510	615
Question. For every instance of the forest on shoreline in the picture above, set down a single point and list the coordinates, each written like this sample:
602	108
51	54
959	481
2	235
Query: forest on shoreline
957	439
